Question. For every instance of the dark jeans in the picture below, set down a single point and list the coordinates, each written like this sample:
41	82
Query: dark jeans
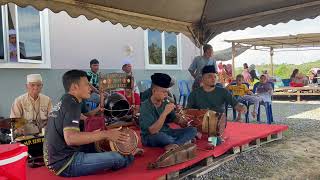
175	136
89	163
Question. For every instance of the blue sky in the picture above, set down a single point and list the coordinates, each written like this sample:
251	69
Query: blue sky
282	29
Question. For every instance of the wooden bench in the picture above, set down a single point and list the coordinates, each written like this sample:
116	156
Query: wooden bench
297	91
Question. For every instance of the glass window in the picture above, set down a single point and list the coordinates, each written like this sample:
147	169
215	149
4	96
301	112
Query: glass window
155	47
1	37
12	34
171	48
24	37
29	33
162	49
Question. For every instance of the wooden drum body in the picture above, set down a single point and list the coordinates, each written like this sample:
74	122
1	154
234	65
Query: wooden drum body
206	121
124	149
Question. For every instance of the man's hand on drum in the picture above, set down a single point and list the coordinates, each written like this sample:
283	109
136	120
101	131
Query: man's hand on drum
169	108
241	108
116	136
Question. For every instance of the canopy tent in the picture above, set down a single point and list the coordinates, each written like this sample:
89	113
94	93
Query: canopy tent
311	40
225	54
200	20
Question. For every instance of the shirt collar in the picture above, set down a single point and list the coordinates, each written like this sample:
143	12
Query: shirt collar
31	98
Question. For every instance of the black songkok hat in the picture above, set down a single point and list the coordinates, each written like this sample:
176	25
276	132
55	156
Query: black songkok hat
161	79
208	69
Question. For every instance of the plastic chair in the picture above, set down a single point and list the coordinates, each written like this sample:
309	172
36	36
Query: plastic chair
244	102
286	82
145	84
267	106
184	91
91	105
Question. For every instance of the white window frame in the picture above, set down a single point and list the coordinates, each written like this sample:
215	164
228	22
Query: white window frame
45	62
177	66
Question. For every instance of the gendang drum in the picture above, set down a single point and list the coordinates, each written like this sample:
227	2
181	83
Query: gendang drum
125	149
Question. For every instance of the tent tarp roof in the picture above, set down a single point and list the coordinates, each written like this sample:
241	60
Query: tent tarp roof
200	20
291	41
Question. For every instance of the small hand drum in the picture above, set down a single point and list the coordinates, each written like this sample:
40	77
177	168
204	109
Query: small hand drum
206	121
124	149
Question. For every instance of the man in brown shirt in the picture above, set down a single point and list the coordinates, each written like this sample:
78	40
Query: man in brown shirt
32	106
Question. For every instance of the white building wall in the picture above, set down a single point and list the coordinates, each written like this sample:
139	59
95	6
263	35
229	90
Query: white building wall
75	41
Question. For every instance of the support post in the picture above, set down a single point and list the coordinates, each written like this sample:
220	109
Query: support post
233	58
271	60
201	50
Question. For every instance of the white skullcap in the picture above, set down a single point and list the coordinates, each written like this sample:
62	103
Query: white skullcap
34	78
126	61
12	32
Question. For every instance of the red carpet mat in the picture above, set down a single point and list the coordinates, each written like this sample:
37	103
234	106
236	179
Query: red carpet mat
237	134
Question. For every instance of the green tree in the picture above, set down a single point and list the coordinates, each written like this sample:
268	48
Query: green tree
171	55
155	54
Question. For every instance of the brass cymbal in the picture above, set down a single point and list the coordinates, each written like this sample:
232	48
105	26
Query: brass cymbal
18	122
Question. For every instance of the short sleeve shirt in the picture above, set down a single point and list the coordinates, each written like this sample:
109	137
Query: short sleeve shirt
239	90
199	62
149	114
93	78
34	111
214	100
64	116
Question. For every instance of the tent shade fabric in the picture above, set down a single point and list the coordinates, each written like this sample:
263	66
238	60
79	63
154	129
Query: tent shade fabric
200	20
292	41
226	54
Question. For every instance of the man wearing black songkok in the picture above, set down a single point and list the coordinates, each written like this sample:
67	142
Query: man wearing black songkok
155	114
210	96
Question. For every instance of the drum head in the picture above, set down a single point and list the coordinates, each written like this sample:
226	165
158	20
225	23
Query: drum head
126	149
116	105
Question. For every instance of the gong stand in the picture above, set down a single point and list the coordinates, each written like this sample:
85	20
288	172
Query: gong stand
112	81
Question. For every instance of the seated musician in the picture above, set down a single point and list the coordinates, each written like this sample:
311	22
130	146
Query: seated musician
148	92
32	106
210	96
63	151
155	114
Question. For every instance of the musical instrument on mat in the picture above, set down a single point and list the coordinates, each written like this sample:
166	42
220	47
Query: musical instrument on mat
34	143
111	81
116	106
181	154
16	122
206	121
12	124
125	149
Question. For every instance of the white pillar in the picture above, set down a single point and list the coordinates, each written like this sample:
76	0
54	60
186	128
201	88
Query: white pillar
271	60
233	58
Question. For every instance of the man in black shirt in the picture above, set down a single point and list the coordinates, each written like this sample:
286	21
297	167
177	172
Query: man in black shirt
63	138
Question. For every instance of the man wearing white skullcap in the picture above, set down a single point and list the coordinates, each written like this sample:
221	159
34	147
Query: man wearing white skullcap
32	106
13	45
127	68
